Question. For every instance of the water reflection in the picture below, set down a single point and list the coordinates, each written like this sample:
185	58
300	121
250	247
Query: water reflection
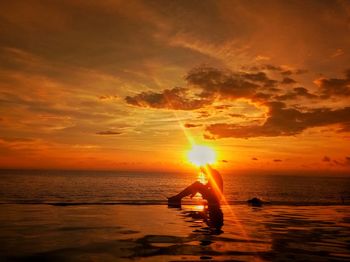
210	215
152	233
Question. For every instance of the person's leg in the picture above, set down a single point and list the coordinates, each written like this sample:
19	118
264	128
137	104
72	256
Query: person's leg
196	187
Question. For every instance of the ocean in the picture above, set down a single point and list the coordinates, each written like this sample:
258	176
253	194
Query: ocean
113	187
123	216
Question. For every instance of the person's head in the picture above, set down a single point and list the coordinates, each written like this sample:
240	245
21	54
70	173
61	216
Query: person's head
205	168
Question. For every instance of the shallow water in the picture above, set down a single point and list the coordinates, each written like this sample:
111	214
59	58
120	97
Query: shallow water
158	233
21	186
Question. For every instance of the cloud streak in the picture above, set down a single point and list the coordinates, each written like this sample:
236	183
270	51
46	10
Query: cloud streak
175	98
108	133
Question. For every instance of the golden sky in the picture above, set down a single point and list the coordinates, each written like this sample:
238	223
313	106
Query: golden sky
126	84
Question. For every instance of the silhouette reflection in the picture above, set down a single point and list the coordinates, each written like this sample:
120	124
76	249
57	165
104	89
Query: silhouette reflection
215	218
211	215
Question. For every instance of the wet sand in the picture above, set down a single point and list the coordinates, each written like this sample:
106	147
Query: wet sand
159	233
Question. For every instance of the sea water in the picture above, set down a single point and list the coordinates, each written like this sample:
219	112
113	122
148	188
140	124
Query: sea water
115	187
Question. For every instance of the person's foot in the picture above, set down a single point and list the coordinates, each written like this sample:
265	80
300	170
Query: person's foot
174	201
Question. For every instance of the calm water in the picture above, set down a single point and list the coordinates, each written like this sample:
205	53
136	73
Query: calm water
122	187
156	233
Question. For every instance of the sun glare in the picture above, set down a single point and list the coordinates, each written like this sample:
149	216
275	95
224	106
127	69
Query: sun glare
201	155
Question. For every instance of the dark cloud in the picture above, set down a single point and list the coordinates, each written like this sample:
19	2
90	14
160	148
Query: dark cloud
343	162
203	114
277	160
326	159
224	161
337	162
282	71
108	132
211	84
286	73
237	115
175	98
272	67
335	86
216	82
261	97
347	160
274	89
222	107
190	125
260	77
288	80
254	158
108	97
281	121
296	93
206	85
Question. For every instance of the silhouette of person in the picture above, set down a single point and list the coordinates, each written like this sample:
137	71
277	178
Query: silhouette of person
211	191
212	215
215	218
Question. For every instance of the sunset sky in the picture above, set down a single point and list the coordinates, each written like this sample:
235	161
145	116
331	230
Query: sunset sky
128	85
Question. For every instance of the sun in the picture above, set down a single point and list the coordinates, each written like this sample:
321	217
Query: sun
201	155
